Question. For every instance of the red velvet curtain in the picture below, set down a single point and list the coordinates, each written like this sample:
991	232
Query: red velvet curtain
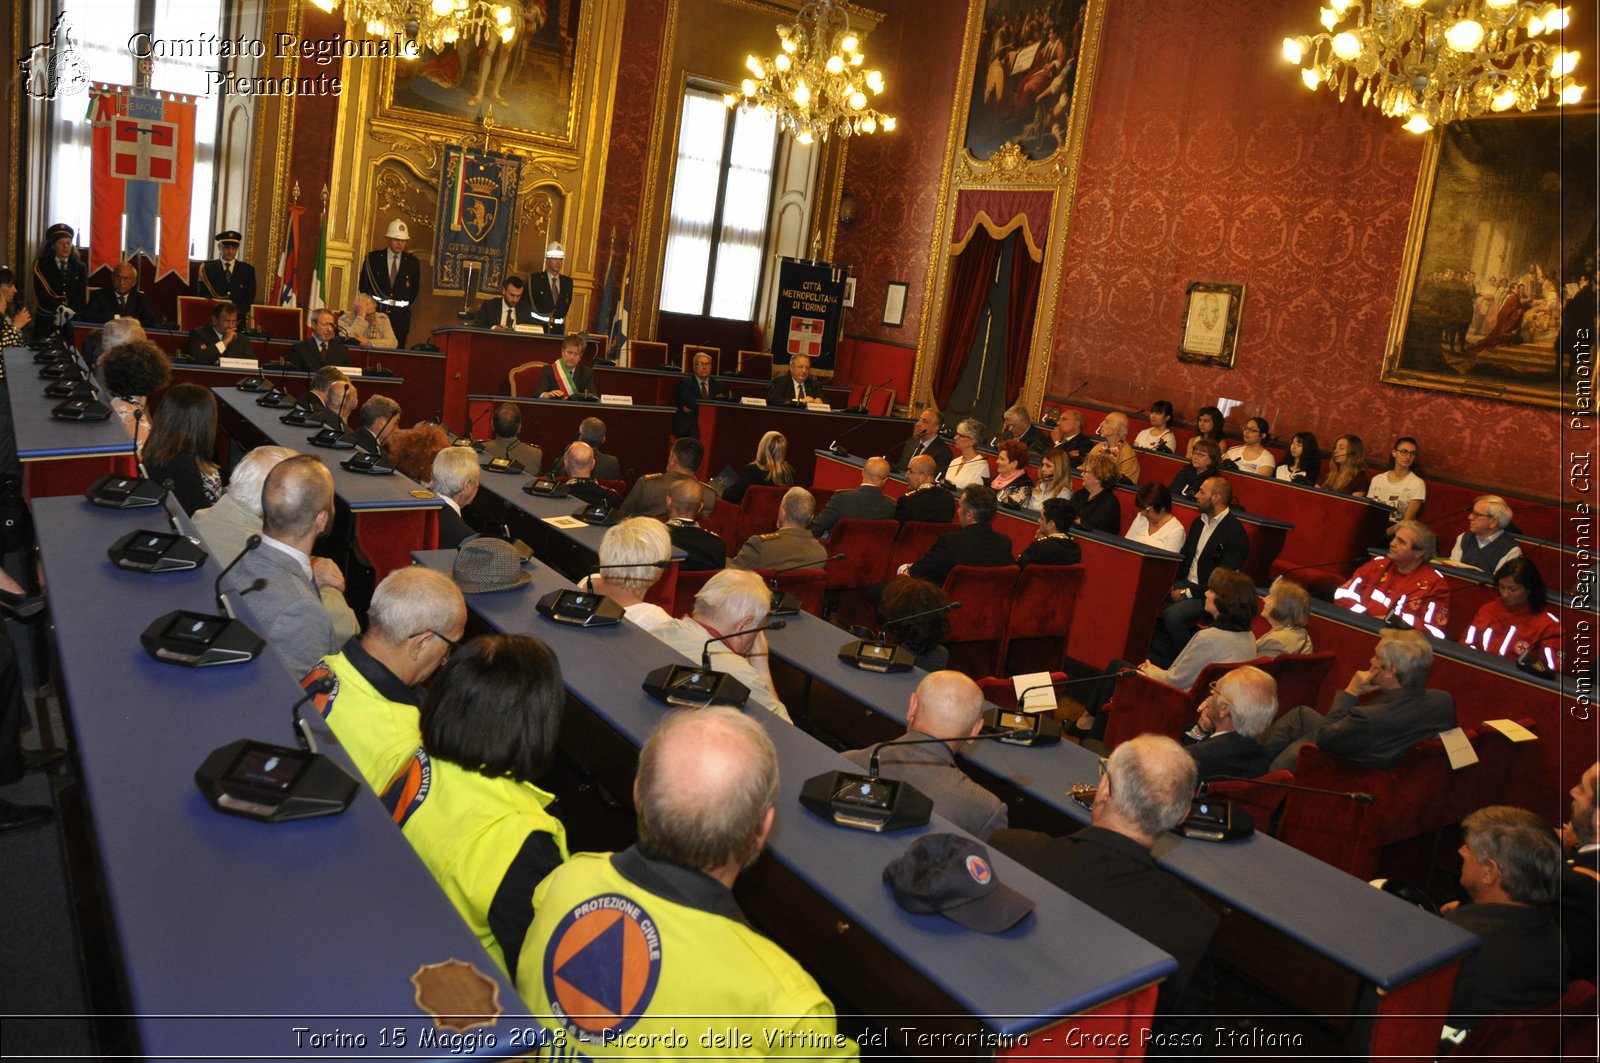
969	294
1022	301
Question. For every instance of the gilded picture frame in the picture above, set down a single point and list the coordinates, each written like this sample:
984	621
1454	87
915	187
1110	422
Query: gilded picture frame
1499	259
1030	53
1211	323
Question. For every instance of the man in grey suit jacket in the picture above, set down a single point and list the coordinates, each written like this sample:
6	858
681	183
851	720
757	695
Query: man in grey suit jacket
945	705
299	606
1381	731
867	502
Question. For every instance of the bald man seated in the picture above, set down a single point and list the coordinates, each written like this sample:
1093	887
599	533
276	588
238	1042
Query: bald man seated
867	502
945	705
580	482
299	606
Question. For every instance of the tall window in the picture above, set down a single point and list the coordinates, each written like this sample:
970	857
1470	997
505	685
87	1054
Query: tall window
100	31
721	199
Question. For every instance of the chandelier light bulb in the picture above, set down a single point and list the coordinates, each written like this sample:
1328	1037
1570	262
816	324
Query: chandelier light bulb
1310	78
729	100
1504	100
805	136
1500	4
1329	18
1418	123
889	121
502	15
835	65
1569	95
875	81
754	66
781	61
1535	26
1558	19
789	45
1340	6
1563	63
1346	45
1413	3
850	43
326	6
1465	35
1293	51
858	100
507	34
747	87
801	94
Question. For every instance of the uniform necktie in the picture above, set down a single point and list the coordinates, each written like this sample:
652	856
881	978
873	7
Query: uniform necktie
227	270
704	391
394	267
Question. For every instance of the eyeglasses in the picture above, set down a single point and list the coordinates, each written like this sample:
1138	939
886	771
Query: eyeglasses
1481	516
1104	767
1221	699
1405	453
450	644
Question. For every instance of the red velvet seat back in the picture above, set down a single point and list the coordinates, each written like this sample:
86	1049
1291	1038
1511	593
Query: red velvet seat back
915	539
806	584
1041	617
1300	677
866	546
689	584
758	513
978	628
1261	801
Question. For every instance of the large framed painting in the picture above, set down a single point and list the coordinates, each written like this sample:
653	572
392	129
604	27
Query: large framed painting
1029	55
1498	276
526	86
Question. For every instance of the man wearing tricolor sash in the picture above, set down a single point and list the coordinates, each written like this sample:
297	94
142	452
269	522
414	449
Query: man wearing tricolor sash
569	376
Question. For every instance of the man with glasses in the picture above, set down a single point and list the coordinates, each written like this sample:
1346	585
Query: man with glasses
372	702
1402	585
1485	545
1226	739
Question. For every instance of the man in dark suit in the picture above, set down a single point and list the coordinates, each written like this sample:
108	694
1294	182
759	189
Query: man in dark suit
581	483
549	294
220	339
455	480
379	417
695	388
569	376
322	348
122	299
1216	538
706	549
1580	879
591	431
59	280
789	387
507	311
1068	434
393	277
226	278
1019	426
867	502
1378	732
330	390
975	543
925	440
1145	789
924	499
1226	739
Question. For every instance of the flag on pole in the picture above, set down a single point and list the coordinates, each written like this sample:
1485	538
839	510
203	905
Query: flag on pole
619	324
319	278
288	268
142	173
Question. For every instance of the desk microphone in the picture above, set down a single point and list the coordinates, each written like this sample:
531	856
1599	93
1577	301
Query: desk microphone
872	652
867	394
705	651
1357	796
1056	410
249	544
784	603
589	580
872	760
323	684
471	438
1039	727
835	448
115	491
690	687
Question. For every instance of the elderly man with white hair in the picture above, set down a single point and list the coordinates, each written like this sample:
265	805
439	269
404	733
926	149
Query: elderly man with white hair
731	602
1486	545
642	544
365	325
1114	443
455	481
1227	738
792	546
228	525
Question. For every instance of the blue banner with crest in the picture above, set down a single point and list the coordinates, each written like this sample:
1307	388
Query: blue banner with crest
477	211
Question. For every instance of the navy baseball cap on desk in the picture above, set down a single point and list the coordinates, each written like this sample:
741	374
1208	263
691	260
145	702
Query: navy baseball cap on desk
951	875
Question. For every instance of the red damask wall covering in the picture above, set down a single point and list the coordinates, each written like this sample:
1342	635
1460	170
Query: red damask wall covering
628	136
1207	160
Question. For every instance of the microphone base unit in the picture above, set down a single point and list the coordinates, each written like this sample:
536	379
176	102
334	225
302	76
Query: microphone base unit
156	551
504	466
544	488
866	802
783	604
125	492
200	640
1213	820
579	608
252	384
301	417
276	399
81	410
686	686
275	784
598	514
1036	728
70	388
876	656
368	465
332	439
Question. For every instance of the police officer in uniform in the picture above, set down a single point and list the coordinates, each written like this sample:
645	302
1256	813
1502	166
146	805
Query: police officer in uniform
59	280
1053	545
393	277
707	552
648	498
792	546
663	910
580	482
549	294
227	278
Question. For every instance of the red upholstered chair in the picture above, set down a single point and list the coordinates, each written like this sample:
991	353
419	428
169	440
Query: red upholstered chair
806	584
647	354
1490	781
758	513
618	486
1300	677
279	322
665	589
879	401
1562	1029
914	539
1262	802
755	364
978	628
866	546
194	311
692	349
1041	617
1145	706
689	584
524	379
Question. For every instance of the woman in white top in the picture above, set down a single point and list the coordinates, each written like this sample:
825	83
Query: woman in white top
1401	489
1158	436
968	467
1305	460
1253	456
1154	525
1286	608
641	541
1055	478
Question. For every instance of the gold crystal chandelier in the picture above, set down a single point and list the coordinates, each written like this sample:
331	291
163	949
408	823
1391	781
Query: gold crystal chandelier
1432	62
814	85
435	24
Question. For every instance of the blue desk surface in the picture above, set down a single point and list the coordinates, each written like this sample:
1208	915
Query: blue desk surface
509	490
40	436
360	493
1063	959
231	932
1381	938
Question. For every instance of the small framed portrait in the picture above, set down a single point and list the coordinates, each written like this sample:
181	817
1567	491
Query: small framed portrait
1211	323
894	303
849	291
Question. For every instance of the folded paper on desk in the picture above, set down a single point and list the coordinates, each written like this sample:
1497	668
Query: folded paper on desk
250	365
1042	698
1458	748
1512	730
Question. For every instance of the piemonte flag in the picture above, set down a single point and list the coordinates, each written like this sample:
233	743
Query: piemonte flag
143	170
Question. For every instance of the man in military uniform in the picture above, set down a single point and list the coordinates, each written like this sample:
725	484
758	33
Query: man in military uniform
393	277
706	793
924	500
1054	544
867	502
580	482
707	552
649	495
549	294
59	280
507	442
792	546
225	277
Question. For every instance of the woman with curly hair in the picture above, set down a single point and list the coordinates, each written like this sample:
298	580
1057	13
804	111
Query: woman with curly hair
413	449
132	372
